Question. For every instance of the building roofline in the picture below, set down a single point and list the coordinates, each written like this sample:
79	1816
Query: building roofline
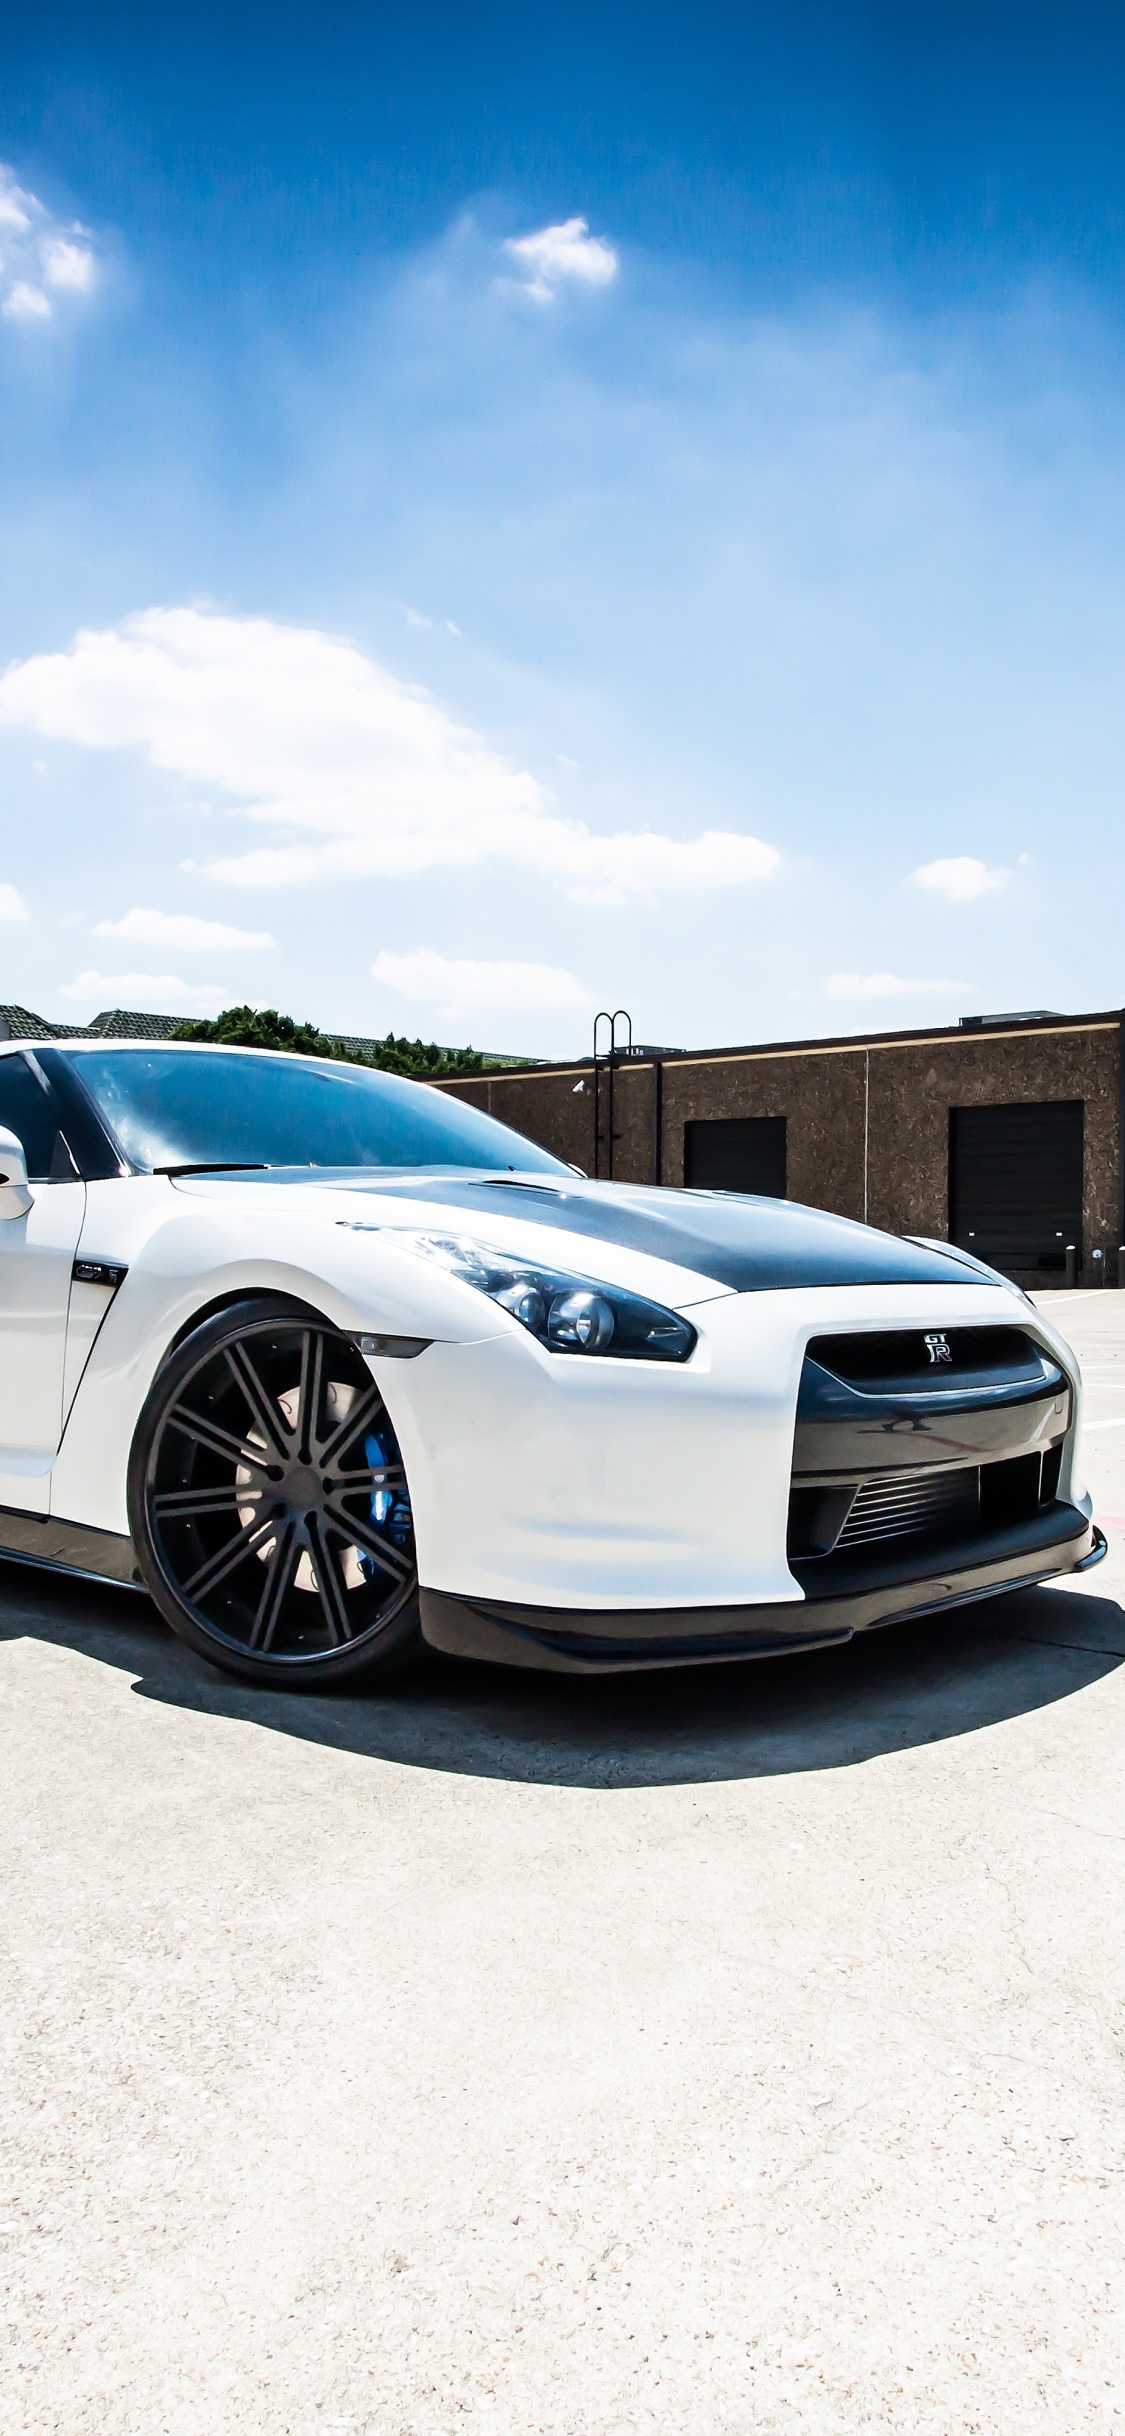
1002	1027
998	1027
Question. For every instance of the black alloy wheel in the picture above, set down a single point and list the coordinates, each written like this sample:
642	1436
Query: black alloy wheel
269	1505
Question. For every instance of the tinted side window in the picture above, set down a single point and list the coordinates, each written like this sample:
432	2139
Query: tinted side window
29	1111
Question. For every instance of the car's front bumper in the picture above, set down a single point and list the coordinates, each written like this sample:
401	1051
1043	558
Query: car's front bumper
538	1480
585	1641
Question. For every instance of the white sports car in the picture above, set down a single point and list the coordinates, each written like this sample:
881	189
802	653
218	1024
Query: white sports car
333	1365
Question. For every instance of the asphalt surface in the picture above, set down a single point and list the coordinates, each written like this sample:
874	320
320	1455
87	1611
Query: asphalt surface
730	2051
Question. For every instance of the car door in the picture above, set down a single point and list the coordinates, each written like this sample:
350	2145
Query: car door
36	1259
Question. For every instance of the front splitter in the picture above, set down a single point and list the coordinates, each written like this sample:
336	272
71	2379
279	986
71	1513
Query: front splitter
584	1641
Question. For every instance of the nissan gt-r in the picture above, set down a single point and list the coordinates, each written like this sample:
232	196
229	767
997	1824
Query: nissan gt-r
334	1366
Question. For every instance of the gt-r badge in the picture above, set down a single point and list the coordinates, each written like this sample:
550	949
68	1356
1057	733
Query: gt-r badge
938	1347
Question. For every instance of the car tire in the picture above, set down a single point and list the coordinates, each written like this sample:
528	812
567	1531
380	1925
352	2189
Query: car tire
269	1506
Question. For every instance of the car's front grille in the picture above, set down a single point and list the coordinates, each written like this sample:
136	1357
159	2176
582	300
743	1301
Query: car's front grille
911	1441
911	1505
906	1361
951	1504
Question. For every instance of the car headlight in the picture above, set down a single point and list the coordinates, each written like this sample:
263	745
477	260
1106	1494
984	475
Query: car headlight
567	1314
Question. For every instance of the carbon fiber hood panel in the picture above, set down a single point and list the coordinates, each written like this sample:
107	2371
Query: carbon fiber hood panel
747	1244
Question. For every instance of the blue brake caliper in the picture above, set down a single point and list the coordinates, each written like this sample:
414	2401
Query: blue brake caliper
390	1508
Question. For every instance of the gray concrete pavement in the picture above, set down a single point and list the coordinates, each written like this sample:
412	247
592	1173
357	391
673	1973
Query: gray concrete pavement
729	2052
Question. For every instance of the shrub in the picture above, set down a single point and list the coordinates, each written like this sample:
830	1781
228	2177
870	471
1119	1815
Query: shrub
264	1028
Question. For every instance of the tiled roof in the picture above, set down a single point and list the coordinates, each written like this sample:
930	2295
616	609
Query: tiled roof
17	1023
116	1023
119	1023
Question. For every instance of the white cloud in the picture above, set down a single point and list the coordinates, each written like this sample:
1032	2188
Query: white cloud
181	931
565	251
12	907
604	870
890	985
40	252
25	303
362	776
66	265
144	993
960	878
458	985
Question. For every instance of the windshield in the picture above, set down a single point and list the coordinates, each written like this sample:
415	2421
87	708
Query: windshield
172	1107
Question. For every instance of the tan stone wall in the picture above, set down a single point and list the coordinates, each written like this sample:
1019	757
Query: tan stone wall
901	1091
545	1106
820	1093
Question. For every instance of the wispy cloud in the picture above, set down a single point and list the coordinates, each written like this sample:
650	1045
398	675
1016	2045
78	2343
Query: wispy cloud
24	302
356	773
551	257
458	986
960	878
67	265
144	993
180	931
12	907
43	259
890	985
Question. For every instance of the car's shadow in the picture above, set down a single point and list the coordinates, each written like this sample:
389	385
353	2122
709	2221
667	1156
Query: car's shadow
891	1691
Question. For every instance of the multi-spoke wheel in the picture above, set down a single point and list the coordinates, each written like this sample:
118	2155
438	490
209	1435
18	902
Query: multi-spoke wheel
269	1505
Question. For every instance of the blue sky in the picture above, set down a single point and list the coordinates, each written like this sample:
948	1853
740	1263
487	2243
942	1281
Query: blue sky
499	519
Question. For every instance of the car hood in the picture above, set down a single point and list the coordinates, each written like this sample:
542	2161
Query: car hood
747	1244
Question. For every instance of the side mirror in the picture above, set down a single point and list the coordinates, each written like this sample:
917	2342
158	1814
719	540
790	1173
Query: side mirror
15	1198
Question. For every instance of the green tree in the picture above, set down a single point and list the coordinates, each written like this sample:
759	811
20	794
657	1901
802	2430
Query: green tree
264	1028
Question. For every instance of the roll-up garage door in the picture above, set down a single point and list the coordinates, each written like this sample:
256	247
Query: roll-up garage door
1015	1183
736	1154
